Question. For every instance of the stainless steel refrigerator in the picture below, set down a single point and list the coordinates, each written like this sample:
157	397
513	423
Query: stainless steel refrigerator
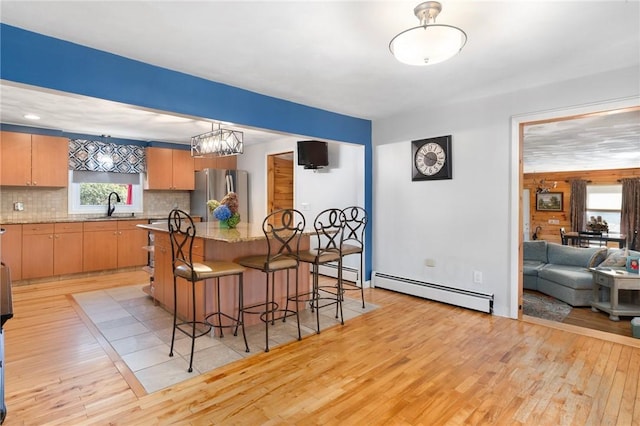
214	184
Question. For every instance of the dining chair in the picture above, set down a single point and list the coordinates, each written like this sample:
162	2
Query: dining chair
283	230
353	243
329	226
182	233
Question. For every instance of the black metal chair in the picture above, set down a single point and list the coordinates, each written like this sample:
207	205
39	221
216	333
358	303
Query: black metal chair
353	243
182	233
283	231
329	227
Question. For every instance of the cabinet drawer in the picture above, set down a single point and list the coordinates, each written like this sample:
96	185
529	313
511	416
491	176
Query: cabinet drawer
131	224
107	225
37	229
602	279
62	228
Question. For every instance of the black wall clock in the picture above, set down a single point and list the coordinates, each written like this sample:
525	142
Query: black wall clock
431	158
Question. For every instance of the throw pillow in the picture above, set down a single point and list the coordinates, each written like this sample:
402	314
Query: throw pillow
616	258
598	257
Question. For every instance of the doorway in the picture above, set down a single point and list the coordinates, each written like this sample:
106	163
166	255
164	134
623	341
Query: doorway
280	181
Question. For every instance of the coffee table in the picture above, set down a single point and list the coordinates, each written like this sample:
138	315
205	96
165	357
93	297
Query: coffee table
615	280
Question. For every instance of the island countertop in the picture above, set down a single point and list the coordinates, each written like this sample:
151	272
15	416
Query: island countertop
243	232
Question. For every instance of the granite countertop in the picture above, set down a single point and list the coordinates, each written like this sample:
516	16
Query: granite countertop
212	231
81	218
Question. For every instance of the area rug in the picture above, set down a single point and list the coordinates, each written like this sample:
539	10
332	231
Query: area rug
546	307
140	333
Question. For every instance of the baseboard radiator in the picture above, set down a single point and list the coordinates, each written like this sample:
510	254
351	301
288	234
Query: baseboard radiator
348	273
453	296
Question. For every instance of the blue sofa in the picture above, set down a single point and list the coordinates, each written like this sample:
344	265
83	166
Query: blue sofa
562	271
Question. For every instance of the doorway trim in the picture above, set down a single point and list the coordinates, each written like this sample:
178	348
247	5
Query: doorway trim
516	185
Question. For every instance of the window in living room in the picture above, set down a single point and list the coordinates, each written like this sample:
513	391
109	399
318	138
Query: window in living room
605	201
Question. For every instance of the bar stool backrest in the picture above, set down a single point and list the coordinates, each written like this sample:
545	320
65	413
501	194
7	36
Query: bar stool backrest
329	226
355	223
283	231
182	232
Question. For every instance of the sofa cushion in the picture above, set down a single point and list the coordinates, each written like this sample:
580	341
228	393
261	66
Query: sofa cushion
531	267
575	256
535	250
575	277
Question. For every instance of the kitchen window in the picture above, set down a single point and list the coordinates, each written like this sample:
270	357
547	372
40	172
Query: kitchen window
605	201
89	192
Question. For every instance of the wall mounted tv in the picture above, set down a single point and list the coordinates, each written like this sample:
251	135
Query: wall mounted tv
313	154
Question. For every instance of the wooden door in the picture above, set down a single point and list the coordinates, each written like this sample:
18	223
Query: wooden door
49	161
183	170
37	250
15	167
11	250
131	241
279	181
67	248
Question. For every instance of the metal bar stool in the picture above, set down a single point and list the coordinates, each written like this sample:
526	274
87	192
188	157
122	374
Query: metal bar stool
283	231
353	243
329	226
182	233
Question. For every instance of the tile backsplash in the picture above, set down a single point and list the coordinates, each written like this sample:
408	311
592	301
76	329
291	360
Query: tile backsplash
51	203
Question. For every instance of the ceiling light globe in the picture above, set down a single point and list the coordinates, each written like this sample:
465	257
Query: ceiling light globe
428	44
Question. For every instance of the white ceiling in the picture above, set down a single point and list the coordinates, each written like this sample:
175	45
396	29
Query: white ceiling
334	55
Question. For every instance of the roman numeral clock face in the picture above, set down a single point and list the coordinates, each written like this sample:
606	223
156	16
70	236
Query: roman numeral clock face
432	158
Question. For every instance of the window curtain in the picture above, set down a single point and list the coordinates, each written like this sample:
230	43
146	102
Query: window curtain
96	156
578	204
630	212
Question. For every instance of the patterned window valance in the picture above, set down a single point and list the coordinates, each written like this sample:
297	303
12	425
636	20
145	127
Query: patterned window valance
96	156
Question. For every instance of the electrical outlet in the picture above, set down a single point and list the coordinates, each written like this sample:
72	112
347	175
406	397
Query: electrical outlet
305	207
477	277
554	221
430	263
18	206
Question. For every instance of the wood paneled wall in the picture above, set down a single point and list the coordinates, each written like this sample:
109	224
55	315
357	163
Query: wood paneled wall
551	231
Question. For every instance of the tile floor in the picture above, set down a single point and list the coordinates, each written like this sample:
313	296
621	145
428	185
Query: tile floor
140	333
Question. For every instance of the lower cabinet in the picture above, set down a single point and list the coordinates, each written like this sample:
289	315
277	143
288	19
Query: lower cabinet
113	244
37	250
11	253
67	248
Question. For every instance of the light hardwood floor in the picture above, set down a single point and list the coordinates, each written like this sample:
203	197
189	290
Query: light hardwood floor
410	362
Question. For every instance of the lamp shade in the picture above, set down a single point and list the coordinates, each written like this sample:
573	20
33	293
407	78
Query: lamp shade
427	44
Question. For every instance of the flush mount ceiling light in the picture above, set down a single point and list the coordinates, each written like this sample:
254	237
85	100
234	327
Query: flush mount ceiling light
428	43
31	117
217	143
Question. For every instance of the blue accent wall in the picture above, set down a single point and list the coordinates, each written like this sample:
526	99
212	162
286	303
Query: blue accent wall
43	61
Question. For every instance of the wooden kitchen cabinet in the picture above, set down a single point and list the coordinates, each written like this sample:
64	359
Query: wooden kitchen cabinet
100	245
11	250
229	162
33	160
37	250
170	169
131	240
67	248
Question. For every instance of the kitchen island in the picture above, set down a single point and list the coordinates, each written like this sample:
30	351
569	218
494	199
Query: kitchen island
215	243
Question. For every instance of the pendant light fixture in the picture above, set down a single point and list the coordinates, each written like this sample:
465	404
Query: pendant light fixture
429	43
217	143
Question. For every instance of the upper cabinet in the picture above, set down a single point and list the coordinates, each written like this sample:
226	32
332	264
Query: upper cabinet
33	160
227	162
169	169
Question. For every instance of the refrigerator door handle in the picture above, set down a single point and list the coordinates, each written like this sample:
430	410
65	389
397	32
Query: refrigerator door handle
230	183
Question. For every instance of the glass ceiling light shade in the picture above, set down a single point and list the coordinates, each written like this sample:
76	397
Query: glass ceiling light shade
429	43
217	143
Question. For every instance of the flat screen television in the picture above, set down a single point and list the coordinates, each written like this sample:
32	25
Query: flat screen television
313	154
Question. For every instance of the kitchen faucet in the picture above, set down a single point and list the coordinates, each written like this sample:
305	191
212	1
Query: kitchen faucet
110	208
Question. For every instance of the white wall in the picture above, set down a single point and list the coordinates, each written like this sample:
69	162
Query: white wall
339	185
466	224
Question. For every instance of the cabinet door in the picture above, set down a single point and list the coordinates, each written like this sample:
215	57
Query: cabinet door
67	248
163	276
183	170
100	246
11	250
131	240
159	168
37	251
15	168
49	161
